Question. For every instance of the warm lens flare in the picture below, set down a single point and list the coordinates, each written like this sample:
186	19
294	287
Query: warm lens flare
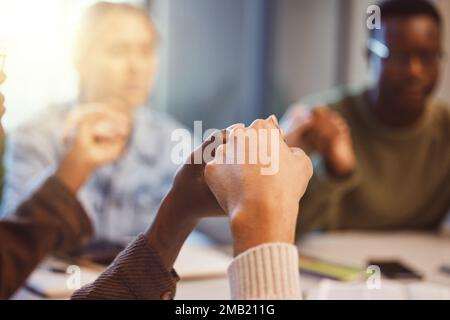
37	38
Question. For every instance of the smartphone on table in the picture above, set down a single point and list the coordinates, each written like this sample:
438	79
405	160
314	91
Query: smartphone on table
393	269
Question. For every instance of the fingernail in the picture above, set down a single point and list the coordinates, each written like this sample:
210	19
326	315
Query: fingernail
274	120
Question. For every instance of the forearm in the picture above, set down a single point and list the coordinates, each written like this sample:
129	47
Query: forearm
318	211
73	171
137	273
30	159
261	223
51	220
145	269
170	230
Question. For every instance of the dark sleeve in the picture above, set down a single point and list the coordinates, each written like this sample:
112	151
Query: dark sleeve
137	273
51	220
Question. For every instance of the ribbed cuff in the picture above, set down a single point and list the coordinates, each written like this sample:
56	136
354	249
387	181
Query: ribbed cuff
266	272
142	271
137	273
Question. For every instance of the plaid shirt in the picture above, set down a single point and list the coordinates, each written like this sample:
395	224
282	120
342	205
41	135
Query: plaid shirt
121	198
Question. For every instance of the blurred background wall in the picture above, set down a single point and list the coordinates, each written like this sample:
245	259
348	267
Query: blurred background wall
222	61
236	60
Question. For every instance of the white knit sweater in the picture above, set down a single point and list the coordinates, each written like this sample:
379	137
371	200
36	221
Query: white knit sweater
267	272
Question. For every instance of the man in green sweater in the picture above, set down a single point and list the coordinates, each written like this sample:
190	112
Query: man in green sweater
382	154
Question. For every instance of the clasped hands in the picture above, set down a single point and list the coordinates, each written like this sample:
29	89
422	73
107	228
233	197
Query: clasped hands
261	208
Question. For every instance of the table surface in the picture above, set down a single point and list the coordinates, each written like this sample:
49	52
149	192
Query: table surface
424	252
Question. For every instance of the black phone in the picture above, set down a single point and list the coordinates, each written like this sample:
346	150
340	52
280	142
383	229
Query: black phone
396	270
98	251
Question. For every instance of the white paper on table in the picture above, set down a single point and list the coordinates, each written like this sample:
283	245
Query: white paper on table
201	261
390	290
54	285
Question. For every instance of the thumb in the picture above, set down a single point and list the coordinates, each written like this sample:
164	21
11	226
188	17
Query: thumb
299	121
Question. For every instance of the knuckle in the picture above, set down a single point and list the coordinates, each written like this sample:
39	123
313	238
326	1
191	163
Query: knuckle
258	123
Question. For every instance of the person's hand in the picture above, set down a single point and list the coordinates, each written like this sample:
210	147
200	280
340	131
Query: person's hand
94	135
189	200
189	189
326	132
262	208
296	123
330	136
100	130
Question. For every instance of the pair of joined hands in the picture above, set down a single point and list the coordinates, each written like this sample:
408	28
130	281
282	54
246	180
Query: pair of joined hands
95	134
261	208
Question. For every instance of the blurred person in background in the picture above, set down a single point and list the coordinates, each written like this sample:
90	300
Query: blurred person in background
52	220
262	225
116	59
381	154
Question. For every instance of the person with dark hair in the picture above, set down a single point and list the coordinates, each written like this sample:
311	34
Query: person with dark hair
406	8
382	154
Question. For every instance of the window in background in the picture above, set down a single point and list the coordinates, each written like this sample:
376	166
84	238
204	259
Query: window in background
37	36
213	59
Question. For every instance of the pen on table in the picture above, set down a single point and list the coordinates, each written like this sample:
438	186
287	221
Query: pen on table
57	270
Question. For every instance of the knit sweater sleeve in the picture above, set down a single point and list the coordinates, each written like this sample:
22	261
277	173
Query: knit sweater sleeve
266	272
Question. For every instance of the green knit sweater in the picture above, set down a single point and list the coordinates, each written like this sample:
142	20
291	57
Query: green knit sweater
402	179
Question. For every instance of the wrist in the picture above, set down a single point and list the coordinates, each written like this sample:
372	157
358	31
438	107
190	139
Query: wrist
340	159
253	226
176	211
73	171
338	170
169	231
293	140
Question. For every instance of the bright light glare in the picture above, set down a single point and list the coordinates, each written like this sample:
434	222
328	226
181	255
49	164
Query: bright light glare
37	37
